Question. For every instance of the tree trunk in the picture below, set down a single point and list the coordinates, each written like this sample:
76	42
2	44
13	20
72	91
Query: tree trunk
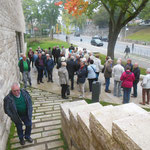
51	34
113	35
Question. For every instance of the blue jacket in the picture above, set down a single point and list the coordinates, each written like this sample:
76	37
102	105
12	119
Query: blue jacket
82	74
49	64
11	110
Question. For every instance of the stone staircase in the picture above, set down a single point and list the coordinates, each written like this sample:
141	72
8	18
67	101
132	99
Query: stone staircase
94	127
46	128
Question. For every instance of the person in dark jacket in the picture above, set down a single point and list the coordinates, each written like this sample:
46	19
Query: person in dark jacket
53	53
40	62
136	72
129	63
24	66
82	74
18	106
57	54
127	52
71	47
49	67
71	67
108	74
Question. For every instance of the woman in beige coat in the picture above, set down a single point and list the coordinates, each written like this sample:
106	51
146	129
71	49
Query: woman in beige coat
63	79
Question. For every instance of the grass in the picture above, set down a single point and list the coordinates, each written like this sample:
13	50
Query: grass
142	35
65	147
11	136
45	43
89	101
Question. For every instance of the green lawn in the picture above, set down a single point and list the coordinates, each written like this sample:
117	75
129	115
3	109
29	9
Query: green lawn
45	43
142	35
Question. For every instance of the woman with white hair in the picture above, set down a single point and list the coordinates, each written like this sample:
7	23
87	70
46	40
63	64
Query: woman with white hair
146	87
63	79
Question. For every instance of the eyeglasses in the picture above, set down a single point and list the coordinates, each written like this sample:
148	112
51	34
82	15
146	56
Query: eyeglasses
16	90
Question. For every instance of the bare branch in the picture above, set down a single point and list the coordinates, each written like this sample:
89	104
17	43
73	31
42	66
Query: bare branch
138	10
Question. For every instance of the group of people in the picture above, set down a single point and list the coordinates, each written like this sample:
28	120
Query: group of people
18	103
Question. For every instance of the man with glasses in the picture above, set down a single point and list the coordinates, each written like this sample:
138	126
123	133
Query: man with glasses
18	106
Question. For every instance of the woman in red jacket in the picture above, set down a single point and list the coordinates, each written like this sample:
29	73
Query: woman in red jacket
127	79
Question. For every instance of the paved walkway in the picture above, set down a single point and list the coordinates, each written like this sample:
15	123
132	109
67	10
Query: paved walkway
46	131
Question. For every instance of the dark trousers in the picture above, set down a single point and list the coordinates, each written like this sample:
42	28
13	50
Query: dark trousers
90	84
107	80
135	89
54	59
40	74
126	95
146	92
72	81
57	60
64	90
50	75
28	125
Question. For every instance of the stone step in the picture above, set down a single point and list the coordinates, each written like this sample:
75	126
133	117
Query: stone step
101	123
133	132
65	118
81	134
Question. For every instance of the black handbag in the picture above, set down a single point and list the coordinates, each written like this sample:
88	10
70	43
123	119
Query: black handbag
68	90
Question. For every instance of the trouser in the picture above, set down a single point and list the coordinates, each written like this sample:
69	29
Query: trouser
117	88
50	75
45	72
72	81
26	77
40	74
126	55
126	95
57	60
64	90
28	125
107	84
54	59
135	89
144	92
90	84
32	61
81	87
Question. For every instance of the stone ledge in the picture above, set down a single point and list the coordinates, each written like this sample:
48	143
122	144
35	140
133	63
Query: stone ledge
133	132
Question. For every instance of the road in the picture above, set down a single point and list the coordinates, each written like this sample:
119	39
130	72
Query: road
141	53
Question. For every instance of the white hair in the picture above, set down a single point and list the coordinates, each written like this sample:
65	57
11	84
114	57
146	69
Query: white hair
118	61
148	70
15	84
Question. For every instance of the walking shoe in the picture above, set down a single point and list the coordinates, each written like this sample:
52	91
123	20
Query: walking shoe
42	82
142	103
109	91
22	142
30	140
133	96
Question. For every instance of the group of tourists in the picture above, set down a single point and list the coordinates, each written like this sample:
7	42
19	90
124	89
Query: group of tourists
84	65
80	63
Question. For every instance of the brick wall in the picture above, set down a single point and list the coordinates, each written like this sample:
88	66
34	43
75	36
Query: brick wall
11	21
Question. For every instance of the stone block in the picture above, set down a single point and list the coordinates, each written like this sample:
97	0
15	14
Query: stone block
76	131
133	132
101	122
55	144
65	118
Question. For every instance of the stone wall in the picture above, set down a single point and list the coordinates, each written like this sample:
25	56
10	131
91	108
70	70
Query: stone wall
94	127
11	24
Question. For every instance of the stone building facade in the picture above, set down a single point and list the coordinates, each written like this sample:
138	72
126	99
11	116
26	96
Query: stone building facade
12	28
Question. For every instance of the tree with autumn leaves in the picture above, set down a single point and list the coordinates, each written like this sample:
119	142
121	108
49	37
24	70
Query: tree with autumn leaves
120	13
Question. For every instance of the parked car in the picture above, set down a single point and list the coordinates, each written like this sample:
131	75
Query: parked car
105	39
96	37
77	34
96	42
